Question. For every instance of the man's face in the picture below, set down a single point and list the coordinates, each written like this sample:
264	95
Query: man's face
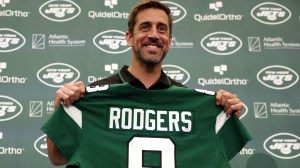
151	37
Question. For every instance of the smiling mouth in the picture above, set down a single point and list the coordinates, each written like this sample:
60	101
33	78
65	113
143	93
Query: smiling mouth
153	46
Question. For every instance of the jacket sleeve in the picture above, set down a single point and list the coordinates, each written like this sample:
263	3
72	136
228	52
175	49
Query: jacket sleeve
63	131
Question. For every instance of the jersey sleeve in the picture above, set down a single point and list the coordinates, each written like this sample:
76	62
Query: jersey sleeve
234	136
63	131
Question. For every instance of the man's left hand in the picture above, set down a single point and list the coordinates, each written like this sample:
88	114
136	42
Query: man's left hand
230	102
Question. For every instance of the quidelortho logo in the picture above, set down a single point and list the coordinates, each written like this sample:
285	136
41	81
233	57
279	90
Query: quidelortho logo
111	68
177	11
277	77
247	151
3	3
213	81
10	40
283	145
57	74
9	108
111	41
40	145
5	79
110	3
220	69
12	12
221	43
271	13
111	14
10	150
177	73
217	15
216	5
3	65
60	10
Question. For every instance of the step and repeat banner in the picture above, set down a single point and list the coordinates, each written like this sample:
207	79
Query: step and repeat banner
248	47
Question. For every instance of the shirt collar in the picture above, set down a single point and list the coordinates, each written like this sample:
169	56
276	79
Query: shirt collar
162	83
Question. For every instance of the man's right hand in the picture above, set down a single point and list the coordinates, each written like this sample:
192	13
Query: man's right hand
69	93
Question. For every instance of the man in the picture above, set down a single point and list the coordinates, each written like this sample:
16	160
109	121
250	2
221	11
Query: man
150	35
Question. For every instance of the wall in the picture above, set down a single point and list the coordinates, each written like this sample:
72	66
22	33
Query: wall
248	47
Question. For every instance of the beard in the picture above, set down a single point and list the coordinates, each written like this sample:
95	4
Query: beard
149	60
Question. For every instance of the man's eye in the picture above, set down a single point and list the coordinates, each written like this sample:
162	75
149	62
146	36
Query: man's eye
144	28
162	29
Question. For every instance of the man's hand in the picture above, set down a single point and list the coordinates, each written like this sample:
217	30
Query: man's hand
54	154
230	102
69	93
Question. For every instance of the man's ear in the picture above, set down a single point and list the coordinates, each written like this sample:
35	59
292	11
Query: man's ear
170	44
129	39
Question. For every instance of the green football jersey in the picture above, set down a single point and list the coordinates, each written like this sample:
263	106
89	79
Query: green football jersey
119	126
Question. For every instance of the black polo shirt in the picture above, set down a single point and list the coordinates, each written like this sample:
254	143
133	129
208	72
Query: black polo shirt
125	76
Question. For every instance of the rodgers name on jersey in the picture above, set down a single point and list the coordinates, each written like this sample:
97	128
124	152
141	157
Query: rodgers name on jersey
150	120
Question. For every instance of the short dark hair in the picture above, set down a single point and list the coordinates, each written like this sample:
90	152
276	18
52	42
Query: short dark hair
146	4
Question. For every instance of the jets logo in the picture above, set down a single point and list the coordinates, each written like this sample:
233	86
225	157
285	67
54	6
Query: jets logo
60	10
40	145
10	40
283	145
111	41
56	74
177	11
277	77
271	13
9	108
177	73
221	43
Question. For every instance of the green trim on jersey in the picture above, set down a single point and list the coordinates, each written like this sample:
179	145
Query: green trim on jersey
121	126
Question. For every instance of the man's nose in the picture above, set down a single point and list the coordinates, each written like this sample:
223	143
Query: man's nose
153	34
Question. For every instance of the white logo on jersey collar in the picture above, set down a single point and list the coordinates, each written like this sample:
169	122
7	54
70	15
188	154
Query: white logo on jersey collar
205	91
96	88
